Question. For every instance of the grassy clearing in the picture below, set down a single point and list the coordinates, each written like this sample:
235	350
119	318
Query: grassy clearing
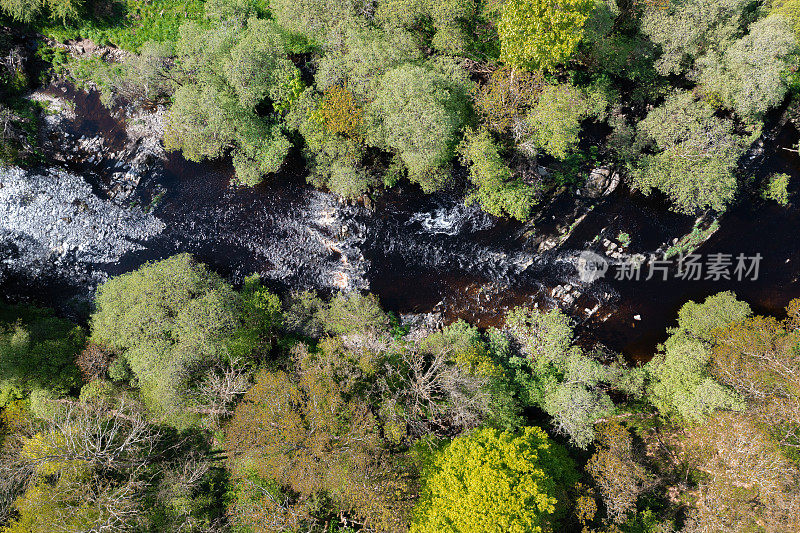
129	23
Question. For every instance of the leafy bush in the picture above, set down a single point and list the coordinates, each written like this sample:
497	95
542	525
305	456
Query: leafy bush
777	188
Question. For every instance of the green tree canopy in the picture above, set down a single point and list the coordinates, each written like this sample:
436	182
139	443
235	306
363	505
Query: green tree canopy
170	321
417	112
496	190
559	377
689	153
540	34
749	77
679	382
495	481
230	71
37	351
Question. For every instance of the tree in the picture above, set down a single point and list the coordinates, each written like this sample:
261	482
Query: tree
417	111
446	383
171	321
448	17
540	34
700	320
749	76
496	190
559	377
555	120
747	483
680	384
258	67
504	101
777	189
334	129
616	472
687	30
230	71
315	437
85	470
494	481
756	357
37	351
29	10
314	18
353	312
358	57
691	154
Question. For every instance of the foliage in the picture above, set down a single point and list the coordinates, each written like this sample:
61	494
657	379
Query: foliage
314	438
314	18
449	18
749	76
340	113
680	384
28	10
540	34
749	484
555	120
559	377
504	101
349	313
464	482
616	472
417	111
127	24
171	321
791	10
699	320
686	30
232	71
777	188
690	154
497	191
37	351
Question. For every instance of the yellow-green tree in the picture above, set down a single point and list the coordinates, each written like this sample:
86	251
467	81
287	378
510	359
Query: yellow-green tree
540	34
494	481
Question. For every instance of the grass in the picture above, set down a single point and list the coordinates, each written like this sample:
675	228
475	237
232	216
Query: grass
128	24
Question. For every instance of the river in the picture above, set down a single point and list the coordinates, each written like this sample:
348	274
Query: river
423	253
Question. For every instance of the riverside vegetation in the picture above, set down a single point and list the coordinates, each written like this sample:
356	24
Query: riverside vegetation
511	99
187	405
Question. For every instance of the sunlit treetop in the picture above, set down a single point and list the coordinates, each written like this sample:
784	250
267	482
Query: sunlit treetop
540	34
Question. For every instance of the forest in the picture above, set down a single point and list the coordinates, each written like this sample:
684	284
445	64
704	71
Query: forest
178	397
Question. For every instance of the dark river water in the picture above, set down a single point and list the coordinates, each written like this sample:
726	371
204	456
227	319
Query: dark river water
432	253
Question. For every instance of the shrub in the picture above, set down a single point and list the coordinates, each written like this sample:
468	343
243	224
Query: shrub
777	188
